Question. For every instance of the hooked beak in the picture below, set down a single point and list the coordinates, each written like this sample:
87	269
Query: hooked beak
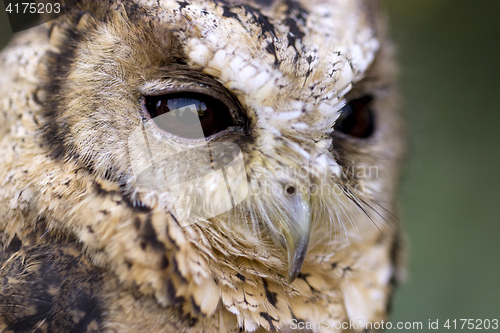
296	230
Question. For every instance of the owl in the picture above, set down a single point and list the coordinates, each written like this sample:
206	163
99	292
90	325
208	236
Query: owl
200	166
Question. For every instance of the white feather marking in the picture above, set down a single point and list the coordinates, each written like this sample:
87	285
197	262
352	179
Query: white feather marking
247	72
346	90
266	90
345	76
286	116
199	53
219	59
237	64
233	310
258	81
300	126
300	150
214	39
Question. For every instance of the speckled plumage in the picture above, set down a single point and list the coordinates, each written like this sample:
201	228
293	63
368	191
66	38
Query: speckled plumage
83	249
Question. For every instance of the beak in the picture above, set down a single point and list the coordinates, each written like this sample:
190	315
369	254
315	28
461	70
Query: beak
296	230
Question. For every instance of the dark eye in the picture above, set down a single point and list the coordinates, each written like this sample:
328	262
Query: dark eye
188	115
357	118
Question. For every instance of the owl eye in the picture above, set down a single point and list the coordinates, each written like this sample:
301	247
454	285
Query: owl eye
357	118
188	115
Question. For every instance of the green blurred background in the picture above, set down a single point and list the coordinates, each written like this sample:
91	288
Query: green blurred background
449	54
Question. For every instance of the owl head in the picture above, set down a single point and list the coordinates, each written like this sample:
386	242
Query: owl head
204	150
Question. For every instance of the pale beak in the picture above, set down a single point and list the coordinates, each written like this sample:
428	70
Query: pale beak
297	231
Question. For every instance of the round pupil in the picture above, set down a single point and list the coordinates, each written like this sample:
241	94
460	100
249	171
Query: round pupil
190	115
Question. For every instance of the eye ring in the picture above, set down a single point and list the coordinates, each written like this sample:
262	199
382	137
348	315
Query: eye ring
357	118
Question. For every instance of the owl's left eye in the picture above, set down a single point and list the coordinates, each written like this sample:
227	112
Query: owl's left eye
357	118
188	115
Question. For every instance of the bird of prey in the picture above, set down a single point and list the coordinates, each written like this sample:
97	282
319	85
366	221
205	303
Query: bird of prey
200	166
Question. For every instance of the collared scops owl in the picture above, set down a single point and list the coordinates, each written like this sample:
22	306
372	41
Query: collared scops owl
200	166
